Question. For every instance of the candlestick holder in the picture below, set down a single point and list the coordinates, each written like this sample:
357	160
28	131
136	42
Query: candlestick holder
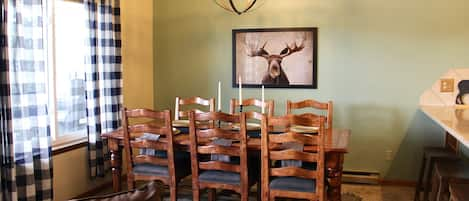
219	121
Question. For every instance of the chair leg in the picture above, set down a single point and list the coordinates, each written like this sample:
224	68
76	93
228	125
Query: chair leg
443	190
259	191
428	184
271	197
130	182
173	193
435	187
212	194
418	187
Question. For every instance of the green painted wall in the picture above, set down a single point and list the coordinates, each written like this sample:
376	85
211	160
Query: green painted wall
375	59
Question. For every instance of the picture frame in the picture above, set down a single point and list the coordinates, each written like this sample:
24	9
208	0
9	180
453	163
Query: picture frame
275	57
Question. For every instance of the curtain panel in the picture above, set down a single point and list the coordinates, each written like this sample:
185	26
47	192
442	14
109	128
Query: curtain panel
25	151
103	79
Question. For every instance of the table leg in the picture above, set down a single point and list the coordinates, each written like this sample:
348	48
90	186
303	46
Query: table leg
334	165
116	163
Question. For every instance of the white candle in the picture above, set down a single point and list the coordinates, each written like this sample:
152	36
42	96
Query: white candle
176	109
263	109
219	96
240	91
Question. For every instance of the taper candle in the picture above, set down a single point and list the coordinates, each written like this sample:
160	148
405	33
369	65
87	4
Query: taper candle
176	109
240	91
263	105
219	96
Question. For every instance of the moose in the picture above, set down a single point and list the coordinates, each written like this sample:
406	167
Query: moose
275	74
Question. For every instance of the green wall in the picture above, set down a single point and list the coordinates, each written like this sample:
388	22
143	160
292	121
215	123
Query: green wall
375	59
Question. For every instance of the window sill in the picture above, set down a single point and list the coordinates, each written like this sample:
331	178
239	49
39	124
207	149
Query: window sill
66	147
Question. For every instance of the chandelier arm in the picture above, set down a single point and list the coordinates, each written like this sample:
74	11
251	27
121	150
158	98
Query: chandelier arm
250	6
227	8
234	8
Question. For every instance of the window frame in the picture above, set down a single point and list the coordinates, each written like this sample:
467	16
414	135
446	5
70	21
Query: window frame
58	141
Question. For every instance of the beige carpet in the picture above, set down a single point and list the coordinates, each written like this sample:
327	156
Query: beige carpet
185	194
350	192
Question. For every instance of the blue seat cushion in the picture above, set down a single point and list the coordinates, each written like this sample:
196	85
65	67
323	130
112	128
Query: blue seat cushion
293	184
183	130
254	133
150	169
182	166
216	176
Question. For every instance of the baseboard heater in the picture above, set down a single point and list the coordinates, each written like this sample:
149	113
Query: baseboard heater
360	177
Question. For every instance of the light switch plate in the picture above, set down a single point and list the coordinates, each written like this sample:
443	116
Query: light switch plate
446	85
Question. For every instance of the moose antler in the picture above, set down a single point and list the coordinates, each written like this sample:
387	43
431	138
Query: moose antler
290	49
253	50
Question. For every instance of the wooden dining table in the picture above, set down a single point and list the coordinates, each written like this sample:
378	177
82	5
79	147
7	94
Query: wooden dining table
336	146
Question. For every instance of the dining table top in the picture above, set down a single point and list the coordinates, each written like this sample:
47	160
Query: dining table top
337	141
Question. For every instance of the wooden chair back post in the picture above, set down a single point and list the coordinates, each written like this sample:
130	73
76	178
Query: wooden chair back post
165	143
316	105
210	103
269	107
202	143
273	150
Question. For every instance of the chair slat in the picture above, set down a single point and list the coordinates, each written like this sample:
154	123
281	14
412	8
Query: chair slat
208	116
294	194
219	165
151	144
290	154
293	172
309	103
219	133
148	128
195	100
218	149
293	137
145	113
150	159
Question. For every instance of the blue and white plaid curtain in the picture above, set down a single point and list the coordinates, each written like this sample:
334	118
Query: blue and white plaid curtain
103	79
25	151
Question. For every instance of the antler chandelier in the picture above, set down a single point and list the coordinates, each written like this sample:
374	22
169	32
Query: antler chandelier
239	6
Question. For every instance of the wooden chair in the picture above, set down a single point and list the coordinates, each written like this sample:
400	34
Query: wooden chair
254	158
448	171
193	102
252	114
161	167
315	105
292	182
430	156
214	174
269	107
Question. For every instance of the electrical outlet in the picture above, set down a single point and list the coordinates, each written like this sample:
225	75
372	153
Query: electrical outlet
446	85
388	155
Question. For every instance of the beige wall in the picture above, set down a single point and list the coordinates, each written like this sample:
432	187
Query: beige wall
71	176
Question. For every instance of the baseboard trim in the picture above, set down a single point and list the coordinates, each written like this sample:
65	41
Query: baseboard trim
386	182
97	189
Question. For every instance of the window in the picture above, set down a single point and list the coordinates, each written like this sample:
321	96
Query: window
66	33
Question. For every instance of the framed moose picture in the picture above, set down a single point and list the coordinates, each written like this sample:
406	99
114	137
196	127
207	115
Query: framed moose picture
275	58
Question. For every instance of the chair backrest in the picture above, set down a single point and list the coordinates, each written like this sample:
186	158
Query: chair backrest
193	103
155	122
273	149
310	103
202	144
250	114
